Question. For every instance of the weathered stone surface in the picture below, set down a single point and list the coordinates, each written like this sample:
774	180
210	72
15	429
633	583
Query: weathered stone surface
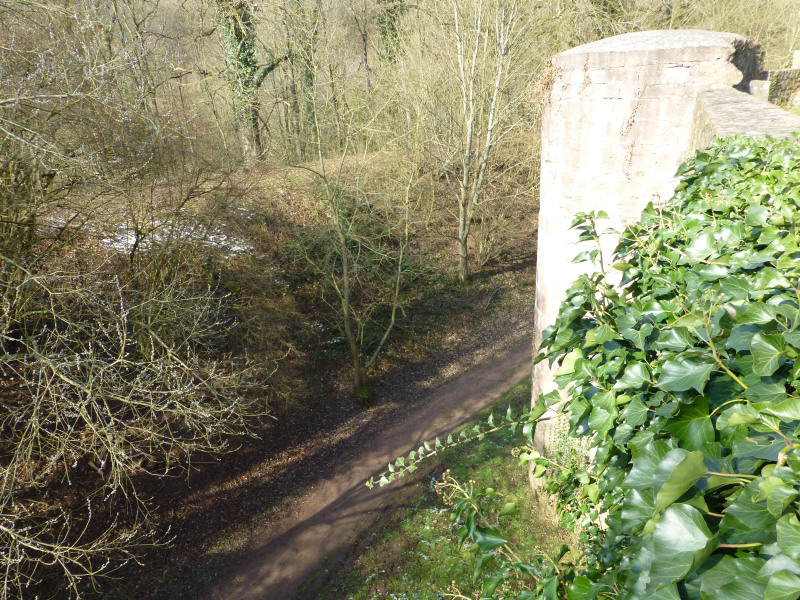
725	112
760	89
784	86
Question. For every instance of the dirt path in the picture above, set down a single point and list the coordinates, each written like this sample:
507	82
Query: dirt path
339	508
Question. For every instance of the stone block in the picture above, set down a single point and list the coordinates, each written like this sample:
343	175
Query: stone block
663	109
571	60
611	109
600	76
613	91
571	108
576	77
730	112
652	74
720	73
676	74
660	130
667	90
783	85
612	59
760	89
660	159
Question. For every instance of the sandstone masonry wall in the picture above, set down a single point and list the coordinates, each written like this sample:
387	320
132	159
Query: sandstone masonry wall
784	86
623	113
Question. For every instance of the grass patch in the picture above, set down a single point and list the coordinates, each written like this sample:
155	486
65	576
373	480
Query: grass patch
415	554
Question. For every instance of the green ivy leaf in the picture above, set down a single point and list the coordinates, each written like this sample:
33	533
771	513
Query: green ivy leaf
734	579
735	288
568	364
750	259
777	494
770	278
783	586
488	538
788	531
601	421
681	539
702	246
550	588
638	336
509	508
757	445
741	337
788	410
693	426
637	508
747	520
779	562
490	585
683	374
636	375
605	399
681	479
635	413
676	339
758	313
792	337
768	389
767	351
738	414
605	333
645	463
481	562
666	593
582	588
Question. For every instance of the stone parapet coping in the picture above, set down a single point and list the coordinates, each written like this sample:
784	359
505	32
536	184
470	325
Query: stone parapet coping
723	112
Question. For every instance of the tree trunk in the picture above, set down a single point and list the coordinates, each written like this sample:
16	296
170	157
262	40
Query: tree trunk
341	135
238	37
360	388
361	25
293	101
464	217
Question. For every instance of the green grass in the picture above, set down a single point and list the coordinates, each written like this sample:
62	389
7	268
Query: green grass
415	555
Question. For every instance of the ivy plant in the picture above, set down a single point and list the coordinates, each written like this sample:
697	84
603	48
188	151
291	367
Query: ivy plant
685	376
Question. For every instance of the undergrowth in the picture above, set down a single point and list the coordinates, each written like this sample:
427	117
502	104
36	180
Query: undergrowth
417	554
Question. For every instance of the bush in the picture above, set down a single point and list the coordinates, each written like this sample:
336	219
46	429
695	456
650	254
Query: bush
685	376
113	368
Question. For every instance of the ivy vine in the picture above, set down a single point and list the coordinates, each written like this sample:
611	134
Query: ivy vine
685	375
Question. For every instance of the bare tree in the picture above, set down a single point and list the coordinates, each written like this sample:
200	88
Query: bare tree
472	99
360	253
364	239
473	39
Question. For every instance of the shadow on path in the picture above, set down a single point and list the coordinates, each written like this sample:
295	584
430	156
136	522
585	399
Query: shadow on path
339	508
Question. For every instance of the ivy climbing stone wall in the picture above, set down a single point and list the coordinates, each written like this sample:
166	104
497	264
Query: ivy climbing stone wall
622	115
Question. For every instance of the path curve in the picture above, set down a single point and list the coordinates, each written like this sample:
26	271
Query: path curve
339	508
